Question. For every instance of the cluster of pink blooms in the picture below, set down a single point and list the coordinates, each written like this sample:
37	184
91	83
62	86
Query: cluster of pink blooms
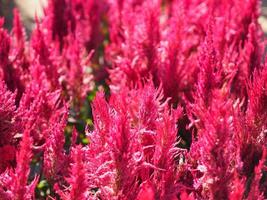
184	117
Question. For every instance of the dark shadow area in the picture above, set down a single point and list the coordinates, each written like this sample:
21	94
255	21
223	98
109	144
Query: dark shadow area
6	11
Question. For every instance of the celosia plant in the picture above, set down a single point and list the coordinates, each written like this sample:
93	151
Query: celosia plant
181	111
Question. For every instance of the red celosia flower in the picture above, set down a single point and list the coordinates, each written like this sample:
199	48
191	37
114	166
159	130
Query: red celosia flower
147	191
130	143
215	150
55	158
189	68
76	76
7	115
14	183
78	183
8	156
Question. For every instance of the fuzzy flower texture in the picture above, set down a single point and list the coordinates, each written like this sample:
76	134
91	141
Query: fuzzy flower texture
135	100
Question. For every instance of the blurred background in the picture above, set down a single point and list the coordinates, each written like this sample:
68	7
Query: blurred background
263	18
30	8
27	8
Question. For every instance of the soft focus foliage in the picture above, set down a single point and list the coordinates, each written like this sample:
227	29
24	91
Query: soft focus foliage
135	100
